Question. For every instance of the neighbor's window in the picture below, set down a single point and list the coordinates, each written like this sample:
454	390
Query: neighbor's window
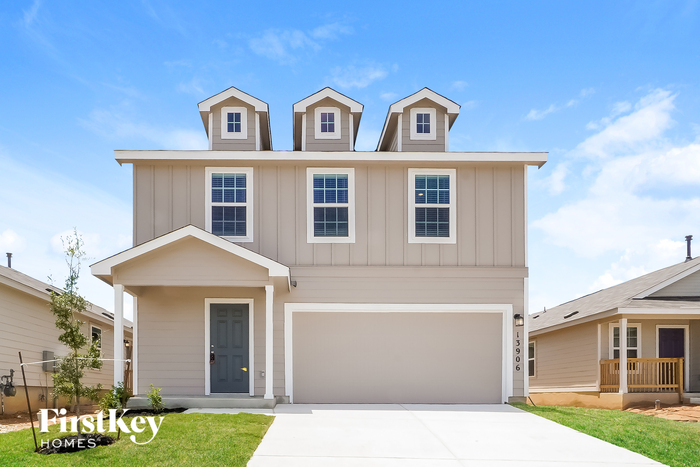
633	341
234	123
229	206
327	124
432	206
531	359
96	336
331	212
423	124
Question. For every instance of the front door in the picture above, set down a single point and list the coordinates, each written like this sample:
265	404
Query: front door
228	355
671	342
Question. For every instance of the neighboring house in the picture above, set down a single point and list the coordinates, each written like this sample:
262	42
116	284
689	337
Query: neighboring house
324	274
575	351
28	326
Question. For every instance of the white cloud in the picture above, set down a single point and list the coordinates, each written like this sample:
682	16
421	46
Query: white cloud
115	125
388	96
535	114
193	86
353	76
459	85
285	46
10	242
555	182
644	192
469	105
30	14
331	31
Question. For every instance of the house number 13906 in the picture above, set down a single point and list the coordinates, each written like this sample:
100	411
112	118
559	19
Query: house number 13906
518	350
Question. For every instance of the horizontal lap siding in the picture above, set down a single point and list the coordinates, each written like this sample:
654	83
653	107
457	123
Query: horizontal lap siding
490	215
566	358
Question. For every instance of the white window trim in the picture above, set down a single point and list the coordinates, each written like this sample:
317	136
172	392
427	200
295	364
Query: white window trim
686	350
611	349
336	120
534	359
248	171
506	310
244	123
310	172
207	340
452	173
433	124
102	338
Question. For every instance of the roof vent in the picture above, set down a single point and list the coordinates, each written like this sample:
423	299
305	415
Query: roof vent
688	239
570	314
9	257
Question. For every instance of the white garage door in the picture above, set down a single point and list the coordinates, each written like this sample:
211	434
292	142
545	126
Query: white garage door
368	357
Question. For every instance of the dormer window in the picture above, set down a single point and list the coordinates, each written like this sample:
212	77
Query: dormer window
234	123
327	122
423	124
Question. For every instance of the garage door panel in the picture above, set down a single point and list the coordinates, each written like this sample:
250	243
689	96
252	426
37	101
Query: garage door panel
350	357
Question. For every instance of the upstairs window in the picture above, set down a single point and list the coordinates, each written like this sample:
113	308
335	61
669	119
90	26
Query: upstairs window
229	207
431	211
327	122
234	123
331	208
423	124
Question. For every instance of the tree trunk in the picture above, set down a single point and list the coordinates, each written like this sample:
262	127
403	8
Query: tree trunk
77	413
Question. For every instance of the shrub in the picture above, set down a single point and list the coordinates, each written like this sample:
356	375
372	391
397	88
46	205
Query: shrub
155	400
117	398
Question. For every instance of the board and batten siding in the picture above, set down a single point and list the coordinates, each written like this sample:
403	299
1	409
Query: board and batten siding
28	326
689	286
490	214
341	144
171	318
566	359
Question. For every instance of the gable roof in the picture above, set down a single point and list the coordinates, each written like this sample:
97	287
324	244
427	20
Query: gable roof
630	294
27	284
451	107
260	107
619	296
103	269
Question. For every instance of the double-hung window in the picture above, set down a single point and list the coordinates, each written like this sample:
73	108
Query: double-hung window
327	122
229	210
234	123
633	341
432	206
423	124
96	337
531	359
331	205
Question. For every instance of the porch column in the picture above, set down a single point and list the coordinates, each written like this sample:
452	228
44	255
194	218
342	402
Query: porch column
623	355
269	336
118	333
135	349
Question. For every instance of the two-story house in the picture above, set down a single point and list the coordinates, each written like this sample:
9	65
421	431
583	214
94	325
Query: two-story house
325	274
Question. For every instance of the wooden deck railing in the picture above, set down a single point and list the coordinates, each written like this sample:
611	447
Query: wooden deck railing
643	375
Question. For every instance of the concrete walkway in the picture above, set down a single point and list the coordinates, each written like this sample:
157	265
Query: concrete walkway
426	436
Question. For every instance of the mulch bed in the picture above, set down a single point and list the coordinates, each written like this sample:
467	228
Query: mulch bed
149	412
76	443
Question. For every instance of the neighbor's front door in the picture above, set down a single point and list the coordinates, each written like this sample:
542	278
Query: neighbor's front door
228	355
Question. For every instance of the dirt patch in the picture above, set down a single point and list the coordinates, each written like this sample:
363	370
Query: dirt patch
678	412
151	413
20	421
76	443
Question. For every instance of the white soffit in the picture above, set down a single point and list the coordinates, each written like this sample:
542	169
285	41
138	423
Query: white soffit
260	106
104	267
355	107
425	93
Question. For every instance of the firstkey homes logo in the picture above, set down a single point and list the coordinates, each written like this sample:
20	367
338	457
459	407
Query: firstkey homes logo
102	425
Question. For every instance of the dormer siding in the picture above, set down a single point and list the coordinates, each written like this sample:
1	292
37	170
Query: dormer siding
221	144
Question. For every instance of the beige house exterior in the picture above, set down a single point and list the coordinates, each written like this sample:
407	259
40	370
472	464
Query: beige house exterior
575	351
28	326
326	274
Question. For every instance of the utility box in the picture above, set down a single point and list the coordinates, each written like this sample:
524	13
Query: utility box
49	367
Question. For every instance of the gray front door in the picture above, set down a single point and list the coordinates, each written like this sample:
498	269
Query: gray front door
228	355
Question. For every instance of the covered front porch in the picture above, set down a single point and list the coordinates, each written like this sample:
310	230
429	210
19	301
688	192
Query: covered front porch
203	319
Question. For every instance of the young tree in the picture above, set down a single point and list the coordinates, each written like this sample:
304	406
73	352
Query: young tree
67	307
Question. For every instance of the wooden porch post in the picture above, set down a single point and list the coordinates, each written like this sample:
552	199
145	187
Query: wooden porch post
623	355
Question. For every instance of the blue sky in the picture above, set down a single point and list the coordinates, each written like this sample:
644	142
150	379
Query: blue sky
610	89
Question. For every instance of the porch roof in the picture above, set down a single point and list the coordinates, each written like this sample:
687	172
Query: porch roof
249	260
632	296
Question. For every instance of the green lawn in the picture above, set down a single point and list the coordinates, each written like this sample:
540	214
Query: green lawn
667	441
195	439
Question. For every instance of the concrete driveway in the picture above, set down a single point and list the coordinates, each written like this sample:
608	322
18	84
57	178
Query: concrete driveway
428	436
